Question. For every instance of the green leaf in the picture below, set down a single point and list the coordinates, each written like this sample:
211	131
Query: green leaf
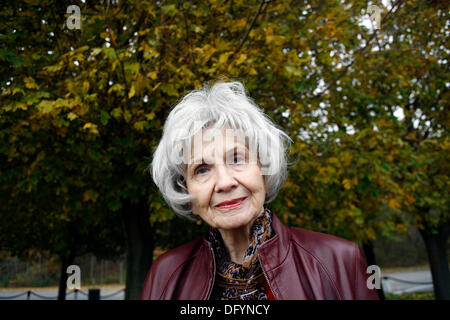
104	117
116	112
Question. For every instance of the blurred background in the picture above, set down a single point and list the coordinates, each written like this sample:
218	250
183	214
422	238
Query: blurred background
362	88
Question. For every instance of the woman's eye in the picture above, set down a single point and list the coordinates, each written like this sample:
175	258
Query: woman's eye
201	170
238	160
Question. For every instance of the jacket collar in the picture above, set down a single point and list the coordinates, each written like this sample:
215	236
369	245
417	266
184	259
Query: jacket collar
274	251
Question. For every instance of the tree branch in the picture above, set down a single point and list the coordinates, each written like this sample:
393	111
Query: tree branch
115	47
136	28
360	52
241	44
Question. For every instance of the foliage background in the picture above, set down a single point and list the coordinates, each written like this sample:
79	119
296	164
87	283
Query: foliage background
82	111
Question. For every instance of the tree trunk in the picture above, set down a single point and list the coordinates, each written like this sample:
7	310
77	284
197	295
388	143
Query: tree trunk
369	252
436	244
66	260
139	241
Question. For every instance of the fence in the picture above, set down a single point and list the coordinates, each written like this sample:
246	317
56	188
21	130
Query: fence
92	294
44	270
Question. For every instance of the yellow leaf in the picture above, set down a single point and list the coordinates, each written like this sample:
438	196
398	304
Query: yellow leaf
410	199
30	83
372	143
46	106
150	116
152	75
90	195
198	29
85	85
131	93
346	158
72	116
412	136
371	234
288	184
224	57
20	105
40	156
52	69
347	184
241	59
156	86
140	125
240	23
401	228
92	127
333	160
269	31
274	40
96	51
127	115
393	204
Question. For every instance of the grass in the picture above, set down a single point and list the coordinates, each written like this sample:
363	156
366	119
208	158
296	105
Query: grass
400	269
410	296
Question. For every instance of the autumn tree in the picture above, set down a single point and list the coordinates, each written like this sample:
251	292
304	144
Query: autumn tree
399	92
99	96
378	131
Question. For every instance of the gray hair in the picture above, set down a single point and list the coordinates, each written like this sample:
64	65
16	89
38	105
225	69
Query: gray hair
225	104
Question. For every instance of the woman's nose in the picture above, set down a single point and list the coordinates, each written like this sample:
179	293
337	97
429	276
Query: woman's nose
224	179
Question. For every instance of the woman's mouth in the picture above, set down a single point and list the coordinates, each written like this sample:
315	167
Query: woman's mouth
230	204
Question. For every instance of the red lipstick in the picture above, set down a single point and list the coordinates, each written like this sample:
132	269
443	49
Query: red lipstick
229	204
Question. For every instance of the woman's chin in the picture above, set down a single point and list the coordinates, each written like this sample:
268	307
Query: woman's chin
232	220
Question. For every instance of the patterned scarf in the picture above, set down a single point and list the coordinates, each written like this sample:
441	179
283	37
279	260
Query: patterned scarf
241	281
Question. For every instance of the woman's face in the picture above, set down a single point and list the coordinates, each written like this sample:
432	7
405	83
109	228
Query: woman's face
227	184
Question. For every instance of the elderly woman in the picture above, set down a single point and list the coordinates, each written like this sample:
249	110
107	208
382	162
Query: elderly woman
221	159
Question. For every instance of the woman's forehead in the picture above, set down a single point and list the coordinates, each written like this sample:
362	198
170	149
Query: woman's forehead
213	142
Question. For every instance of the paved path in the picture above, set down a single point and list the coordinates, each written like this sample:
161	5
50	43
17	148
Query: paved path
392	284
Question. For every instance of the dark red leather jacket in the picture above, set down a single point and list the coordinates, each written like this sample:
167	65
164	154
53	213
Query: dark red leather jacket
298	264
